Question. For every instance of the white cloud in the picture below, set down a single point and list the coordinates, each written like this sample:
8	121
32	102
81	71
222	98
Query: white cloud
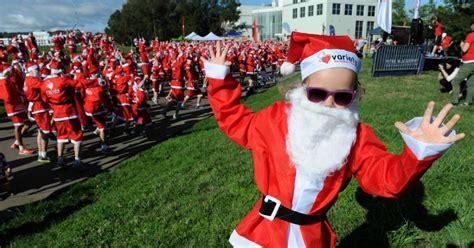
33	15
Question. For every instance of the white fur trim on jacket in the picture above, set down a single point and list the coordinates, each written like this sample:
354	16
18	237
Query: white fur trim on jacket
239	241
420	149
216	71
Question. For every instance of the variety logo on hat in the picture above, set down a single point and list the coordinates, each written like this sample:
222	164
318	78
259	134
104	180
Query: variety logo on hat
325	58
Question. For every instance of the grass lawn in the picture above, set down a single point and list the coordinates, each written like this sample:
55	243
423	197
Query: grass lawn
192	190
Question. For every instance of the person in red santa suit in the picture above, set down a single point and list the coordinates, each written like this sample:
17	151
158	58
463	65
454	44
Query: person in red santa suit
39	110
307	150
120	88
15	51
192	87
251	73
155	45
59	91
94	106
176	94
31	44
71	44
15	107
58	42
140	107
157	78
145	63
77	74
3	53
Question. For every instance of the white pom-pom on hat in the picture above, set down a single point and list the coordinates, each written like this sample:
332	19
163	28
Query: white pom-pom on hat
287	68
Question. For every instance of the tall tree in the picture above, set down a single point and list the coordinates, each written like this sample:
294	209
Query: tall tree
399	16
162	18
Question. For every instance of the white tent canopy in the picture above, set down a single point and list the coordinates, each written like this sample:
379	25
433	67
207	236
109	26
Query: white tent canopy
212	36
194	36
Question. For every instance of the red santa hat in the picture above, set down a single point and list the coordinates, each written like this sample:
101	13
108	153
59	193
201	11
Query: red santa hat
30	66
76	65
319	52
55	68
4	69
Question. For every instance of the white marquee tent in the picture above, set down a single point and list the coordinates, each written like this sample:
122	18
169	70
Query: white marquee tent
194	36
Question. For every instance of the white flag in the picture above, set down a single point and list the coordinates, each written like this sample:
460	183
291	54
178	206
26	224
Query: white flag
417	10
384	18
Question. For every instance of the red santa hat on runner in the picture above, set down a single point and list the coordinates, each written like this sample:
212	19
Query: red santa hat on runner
4	70
55	68
31	66
319	52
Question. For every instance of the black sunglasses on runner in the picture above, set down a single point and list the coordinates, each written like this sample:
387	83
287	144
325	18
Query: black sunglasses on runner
342	98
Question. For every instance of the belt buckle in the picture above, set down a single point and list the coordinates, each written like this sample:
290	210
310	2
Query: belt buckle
275	209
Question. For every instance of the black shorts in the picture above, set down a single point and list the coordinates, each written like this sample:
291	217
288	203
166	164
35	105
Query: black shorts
437	41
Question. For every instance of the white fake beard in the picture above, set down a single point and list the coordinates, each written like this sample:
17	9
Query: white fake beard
319	138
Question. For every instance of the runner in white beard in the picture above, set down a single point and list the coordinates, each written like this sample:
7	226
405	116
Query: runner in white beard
319	137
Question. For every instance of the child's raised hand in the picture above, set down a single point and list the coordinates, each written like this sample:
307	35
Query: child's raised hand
434	132
218	56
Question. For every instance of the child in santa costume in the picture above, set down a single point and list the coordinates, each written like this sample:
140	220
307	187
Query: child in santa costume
306	150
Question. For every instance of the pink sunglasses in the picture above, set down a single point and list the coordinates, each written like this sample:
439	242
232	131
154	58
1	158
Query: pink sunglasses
342	98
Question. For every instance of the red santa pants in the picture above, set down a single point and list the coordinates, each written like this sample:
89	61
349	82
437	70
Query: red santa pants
17	113
97	113
141	114
69	130
43	121
124	108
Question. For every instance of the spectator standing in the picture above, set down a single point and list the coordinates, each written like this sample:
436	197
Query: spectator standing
466	71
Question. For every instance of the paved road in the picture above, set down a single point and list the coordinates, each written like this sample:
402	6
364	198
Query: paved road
33	181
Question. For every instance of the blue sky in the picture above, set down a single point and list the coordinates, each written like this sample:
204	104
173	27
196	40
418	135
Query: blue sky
255	2
50	15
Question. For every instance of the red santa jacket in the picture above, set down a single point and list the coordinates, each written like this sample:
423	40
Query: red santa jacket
59	93
264	133
32	89
9	91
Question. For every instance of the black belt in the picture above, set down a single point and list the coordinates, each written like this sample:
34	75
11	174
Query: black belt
271	208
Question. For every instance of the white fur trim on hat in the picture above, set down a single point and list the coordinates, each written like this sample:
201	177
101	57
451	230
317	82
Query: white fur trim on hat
56	71
31	68
287	68
329	58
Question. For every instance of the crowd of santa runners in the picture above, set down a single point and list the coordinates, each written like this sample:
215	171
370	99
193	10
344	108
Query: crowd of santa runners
86	82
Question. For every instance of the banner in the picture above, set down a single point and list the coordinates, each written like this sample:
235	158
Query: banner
417	10
398	60
384	18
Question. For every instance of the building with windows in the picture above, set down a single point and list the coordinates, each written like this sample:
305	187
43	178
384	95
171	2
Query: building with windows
341	17
246	18
269	21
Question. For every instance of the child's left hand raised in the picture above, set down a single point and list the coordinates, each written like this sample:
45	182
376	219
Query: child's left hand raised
434	132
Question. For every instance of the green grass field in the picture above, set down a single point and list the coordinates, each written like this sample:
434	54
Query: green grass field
192	190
